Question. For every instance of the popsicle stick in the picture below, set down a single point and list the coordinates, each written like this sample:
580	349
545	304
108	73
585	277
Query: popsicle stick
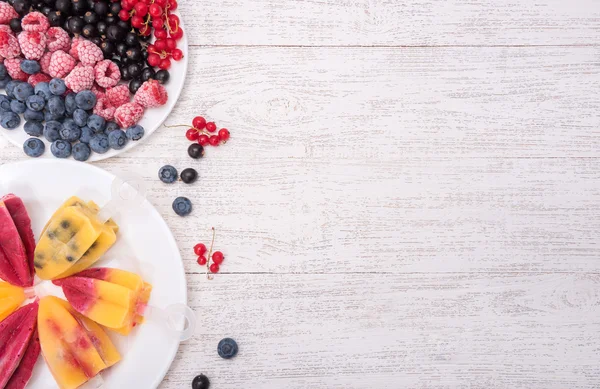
126	192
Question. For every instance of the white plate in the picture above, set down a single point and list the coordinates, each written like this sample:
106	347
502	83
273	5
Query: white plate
149	351
153	117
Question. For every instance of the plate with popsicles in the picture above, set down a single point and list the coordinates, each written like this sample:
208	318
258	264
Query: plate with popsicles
92	290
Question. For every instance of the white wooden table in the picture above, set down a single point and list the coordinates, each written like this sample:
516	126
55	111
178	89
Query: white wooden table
410	199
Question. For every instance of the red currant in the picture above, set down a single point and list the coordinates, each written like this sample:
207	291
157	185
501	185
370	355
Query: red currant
199	122
158	23
203	140
162	3
176	33
192	134
173	21
127	5
165	64
200	249
146	30
202	260
160	44
211	127
124	15
137	21
154	59
160	33
172	5
141	9
214	140
224	134
177	54
155	10
218	257
214	268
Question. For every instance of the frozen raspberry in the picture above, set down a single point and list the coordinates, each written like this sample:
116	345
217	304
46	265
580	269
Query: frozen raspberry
128	114
45	62
80	78
74	43
104	109
58	39
9	46
35	22
6	28
107	73
33	44
98	91
118	95
89	54
34	79
61	64
13	66
7	13
151	94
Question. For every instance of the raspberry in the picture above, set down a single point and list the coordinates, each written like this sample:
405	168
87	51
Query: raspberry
34	79
98	91
118	95
74	43
35	22
58	39
128	114
9	46
151	94
7	13
80	78
89	53
107	73
45	62
13	66
33	44
61	64
104	109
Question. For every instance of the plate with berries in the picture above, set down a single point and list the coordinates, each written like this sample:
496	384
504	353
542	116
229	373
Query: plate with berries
88	80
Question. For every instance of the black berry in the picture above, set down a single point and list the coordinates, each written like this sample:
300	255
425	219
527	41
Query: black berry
134	54
76	24
131	39
108	49
79	7
89	31
134	85
162	76
46	10
63	6
115	8
189	175
101	8
15	25
56	18
147	74
102	26
90	17
115	33
125	74
196	151
121	49
96	40
201	382
124	25
111	19
22	6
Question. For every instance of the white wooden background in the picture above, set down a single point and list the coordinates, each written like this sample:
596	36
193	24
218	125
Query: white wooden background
410	199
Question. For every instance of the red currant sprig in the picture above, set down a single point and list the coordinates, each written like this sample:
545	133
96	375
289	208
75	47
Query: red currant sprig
217	257
204	133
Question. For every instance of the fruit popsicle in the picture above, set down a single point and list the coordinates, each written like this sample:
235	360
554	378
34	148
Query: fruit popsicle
23	374
112	297
74	348
11	298
14	266
16	333
20	217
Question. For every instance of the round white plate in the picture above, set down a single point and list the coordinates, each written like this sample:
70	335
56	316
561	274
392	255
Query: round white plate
149	351
153	117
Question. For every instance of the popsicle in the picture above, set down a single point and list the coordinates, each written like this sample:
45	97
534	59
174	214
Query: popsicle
11	298
74	348
20	217
16	332
14	266
22	375
112	297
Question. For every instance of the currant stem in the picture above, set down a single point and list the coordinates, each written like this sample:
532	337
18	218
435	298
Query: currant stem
209	275
179	125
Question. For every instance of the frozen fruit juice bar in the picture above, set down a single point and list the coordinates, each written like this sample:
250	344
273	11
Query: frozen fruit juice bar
14	266
20	217
11	298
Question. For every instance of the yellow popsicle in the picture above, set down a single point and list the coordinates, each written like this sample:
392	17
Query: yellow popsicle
11	298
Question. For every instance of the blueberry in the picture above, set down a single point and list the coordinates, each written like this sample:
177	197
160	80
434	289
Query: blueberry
17	106
99	143
117	139
135	132
227	348
30	67
182	206
10	120
70	104
52	130
81	152
34	102
61	149
42	89
70	131
56	105
80	116
4	82
34	128
111	126
5	103
85	99
10	87
97	123
33	115
34	147
3	72
86	134
57	87
167	174
201	382
22	91
49	116
189	175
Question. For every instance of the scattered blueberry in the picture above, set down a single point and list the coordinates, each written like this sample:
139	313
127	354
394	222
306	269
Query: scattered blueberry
42	89
34	102
97	123
85	99
117	139
70	104
56	106
227	348
135	132
22	91
196	151
80	116
99	143
34	128
70	131
57	87
34	147
33	115
10	87
4	82
10	120
86	134
182	206
189	175
17	106
30	66
201	382
3	72
167	174
52	130
81	152
61	149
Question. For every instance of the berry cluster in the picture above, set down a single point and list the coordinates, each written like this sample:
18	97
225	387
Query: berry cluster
204	133
168	174
217	256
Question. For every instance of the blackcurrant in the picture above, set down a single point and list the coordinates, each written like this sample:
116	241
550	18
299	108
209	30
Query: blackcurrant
56	18
91	17
147	74
134	85
189	175
115	8
124	25
101	27
89	31
96	40
132	39
45	10
101	8
162	76
134	54
111	19
15	25
50	3
22	6
196	151
108	49
79	7
201	382
121	49
63	6
76	24
125	74
135	70
115	33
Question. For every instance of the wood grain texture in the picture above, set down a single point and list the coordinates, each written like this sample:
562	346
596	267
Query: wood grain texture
392	22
